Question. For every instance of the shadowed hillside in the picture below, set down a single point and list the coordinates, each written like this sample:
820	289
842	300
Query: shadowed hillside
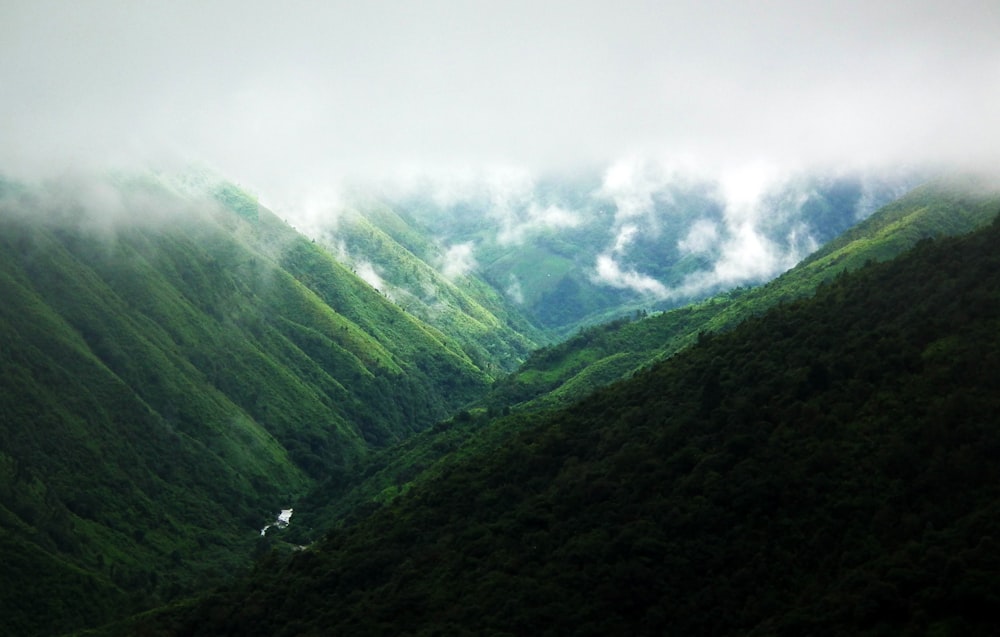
826	468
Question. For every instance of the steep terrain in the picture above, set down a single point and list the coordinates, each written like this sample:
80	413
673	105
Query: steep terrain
826	468
572	251
177	365
399	258
559	374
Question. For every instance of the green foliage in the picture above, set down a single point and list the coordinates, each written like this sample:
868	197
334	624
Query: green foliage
546	261
238	200
559	374
169	381
487	328
825	468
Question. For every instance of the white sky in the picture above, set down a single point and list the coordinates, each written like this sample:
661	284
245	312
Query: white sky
280	95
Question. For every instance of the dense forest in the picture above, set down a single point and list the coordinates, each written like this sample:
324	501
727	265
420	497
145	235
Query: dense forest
558	375
176	365
179	364
825	468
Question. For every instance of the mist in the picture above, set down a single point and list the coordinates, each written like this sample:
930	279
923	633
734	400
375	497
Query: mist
301	96
306	106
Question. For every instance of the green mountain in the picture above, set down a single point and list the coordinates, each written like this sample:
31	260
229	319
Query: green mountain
176	365
825	468
558	375
397	256
562	373
572	251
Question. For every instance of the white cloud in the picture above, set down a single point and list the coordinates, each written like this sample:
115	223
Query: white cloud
701	237
514	291
315	212
746	257
517	224
630	184
458	260
624	237
552	217
473	101
742	186
633	184
609	272
366	271
305	94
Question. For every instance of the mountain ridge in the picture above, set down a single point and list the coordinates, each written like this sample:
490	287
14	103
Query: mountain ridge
177	363
824	468
941	208
557	376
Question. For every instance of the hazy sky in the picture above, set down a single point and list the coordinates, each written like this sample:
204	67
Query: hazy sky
279	94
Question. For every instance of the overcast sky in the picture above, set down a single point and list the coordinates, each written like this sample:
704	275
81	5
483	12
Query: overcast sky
280	94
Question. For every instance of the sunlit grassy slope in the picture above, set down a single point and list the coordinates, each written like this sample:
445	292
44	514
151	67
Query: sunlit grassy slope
176	364
414	272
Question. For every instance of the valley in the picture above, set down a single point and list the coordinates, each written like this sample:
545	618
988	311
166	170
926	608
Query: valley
824	467
415	319
179	363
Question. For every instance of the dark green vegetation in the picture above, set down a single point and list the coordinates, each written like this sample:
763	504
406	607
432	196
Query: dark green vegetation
176	365
560	374
825	468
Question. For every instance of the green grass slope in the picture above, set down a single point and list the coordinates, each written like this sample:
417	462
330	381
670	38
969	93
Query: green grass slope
176	365
827	468
414	273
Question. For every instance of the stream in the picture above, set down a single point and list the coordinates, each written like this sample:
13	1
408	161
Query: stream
284	518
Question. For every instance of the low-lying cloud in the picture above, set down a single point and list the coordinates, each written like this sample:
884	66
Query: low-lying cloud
458	260
476	103
609	272
282	98
758	227
701	237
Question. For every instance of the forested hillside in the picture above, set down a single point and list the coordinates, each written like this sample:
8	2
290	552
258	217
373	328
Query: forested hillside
580	249
562	373
825	468
176	365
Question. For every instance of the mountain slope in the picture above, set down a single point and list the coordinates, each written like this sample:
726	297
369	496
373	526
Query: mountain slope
397	257
565	372
827	468
574	251
177	365
558	375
